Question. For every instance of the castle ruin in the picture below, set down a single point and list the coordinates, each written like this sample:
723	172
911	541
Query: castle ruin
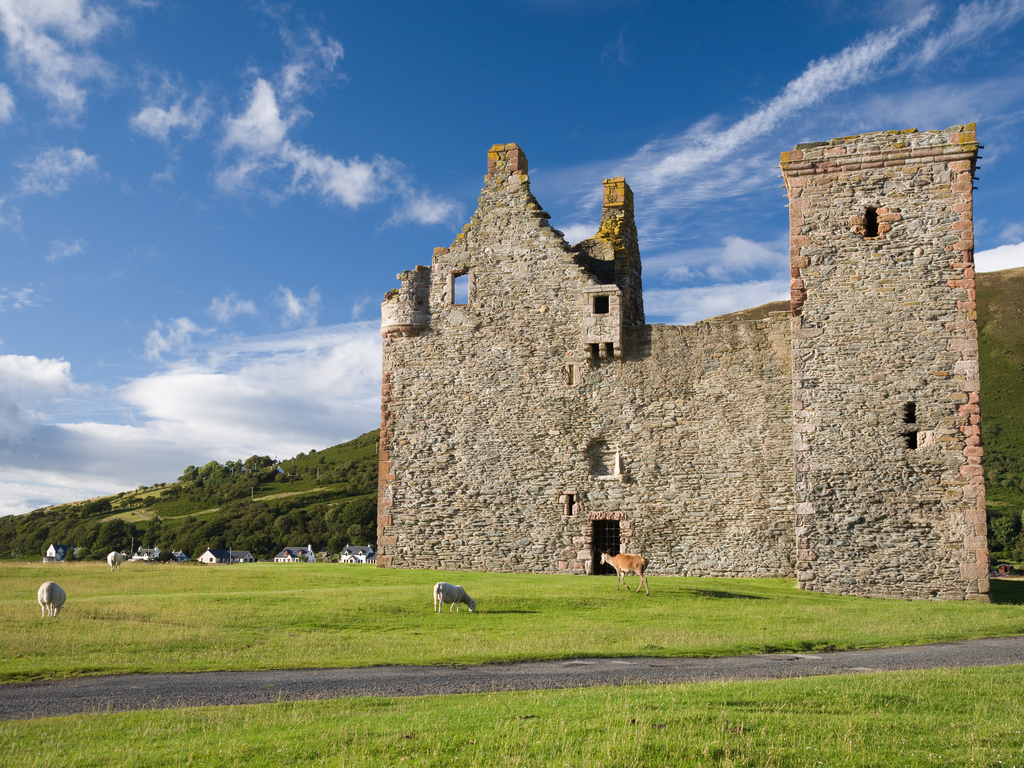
530	417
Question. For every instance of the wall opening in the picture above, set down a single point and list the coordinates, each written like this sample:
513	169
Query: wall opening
600	305
604	538
460	288
910	417
569	501
910	413
870	222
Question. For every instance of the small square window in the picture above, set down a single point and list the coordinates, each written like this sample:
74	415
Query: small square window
600	305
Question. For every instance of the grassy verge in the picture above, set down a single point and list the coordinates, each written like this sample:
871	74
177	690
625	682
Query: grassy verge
956	717
167	618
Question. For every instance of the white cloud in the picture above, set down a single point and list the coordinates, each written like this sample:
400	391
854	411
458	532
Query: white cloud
52	170
1003	257
260	130
158	122
309	62
423	208
665	162
359	306
257	140
295	310
687	305
60	249
227	307
973	22
9	217
48	44
177	340
6	104
1013	232
737	257
28	385
274	395
19	299
576	233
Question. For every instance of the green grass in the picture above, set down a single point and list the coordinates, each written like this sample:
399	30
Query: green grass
165	618
955	717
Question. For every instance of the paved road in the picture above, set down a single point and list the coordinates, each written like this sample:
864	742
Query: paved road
121	693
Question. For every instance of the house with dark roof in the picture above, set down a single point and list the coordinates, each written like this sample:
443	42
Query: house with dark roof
56	553
225	556
296	555
354	554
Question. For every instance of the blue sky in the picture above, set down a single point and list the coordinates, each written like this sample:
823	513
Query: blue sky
202	204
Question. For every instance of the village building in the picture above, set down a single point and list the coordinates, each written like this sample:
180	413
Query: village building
531	418
351	553
296	555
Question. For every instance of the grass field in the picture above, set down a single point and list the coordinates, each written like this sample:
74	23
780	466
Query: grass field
962	717
167	618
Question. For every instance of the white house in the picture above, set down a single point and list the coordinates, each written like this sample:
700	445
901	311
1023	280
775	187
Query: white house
353	554
147	555
226	556
179	556
296	555
57	552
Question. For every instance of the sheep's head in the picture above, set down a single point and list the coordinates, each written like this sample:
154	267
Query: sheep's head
472	605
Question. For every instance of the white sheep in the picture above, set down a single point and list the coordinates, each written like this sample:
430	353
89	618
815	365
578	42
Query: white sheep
114	560
51	598
451	593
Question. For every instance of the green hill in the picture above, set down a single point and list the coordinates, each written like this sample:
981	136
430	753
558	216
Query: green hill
1001	353
325	498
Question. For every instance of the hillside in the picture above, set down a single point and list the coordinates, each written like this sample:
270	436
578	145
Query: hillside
325	498
1001	353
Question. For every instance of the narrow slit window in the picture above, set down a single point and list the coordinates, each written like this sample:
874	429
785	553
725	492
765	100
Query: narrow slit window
600	305
911	438
460	289
570	504
910	413
871	222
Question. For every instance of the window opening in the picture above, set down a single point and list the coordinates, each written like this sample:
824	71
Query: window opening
910	413
604	538
600	305
911	438
871	222
460	289
569	499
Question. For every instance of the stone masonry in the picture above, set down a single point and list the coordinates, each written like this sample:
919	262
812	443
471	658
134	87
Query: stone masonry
530	416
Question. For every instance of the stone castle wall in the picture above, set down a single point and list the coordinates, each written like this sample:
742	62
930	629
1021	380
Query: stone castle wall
525	404
889	491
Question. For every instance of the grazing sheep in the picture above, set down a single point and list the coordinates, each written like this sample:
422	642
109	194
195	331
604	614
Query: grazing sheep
114	560
51	599
451	593
623	564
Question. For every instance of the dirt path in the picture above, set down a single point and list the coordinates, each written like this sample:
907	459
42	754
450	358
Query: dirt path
120	693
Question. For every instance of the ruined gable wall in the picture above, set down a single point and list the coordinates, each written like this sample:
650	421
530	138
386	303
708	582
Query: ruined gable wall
492	413
889	488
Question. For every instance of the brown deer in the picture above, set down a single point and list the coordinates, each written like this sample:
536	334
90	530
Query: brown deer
624	564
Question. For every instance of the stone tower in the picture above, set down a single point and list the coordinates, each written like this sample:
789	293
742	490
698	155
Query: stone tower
889	493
